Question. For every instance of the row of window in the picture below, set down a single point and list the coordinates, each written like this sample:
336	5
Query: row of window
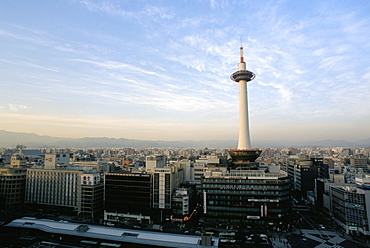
247	192
246	187
247	181
272	213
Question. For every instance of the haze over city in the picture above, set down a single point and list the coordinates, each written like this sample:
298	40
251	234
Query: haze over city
160	70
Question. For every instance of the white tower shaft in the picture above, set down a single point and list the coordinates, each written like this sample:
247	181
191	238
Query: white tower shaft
244	138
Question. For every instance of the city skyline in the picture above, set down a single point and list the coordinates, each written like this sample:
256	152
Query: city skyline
160	71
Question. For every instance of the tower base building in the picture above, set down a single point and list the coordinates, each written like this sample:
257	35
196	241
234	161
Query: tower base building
247	199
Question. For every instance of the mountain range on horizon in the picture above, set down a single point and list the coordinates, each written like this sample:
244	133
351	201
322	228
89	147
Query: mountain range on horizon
32	140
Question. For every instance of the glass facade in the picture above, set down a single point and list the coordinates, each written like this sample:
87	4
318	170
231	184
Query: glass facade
128	193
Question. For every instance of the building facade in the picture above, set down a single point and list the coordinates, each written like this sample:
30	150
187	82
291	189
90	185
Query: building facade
18	160
359	164
54	187
350	209
183	203
165	181
53	160
303	171
12	187
92	196
63	188
248	198
128	196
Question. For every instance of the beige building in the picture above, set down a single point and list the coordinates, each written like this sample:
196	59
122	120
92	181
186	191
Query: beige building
359	163
54	187
99	166
166	179
18	160
66	188
155	161
53	160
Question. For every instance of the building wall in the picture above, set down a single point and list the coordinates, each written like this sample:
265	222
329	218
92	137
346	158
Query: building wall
350	208
252	198
100	166
303	171
155	161
92	196
165	181
163	186
128	193
54	187
359	163
18	160
52	159
183	203
12	187
187	166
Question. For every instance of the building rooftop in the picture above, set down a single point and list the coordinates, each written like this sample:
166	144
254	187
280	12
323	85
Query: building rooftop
110	233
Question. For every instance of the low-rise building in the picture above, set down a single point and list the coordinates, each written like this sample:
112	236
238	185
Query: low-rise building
184	203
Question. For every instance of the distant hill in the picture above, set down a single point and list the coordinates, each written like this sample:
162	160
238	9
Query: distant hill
31	140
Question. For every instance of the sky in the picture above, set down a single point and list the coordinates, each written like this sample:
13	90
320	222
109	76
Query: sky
160	70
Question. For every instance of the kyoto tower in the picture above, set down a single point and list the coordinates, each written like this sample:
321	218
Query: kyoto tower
244	156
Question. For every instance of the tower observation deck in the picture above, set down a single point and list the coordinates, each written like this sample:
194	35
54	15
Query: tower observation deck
244	153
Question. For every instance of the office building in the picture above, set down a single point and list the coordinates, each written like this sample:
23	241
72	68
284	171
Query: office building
184	203
165	181
62	187
12	187
303	171
350	208
128	196
359	163
245	198
154	161
92	196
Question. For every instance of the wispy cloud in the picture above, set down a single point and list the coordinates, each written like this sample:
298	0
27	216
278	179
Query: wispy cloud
117	9
17	107
173	61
